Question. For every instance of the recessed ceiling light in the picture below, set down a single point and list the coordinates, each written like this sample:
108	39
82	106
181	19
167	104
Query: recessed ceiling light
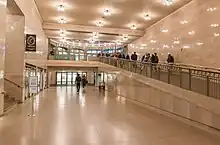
184	22
191	33
186	46
62	20
214	25
133	27
211	9
153	41
147	16
100	23
60	8
165	46
143	45
216	34
176	42
199	43
168	2
164	30
107	12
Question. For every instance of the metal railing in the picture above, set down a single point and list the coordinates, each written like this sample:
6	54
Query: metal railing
200	80
11	82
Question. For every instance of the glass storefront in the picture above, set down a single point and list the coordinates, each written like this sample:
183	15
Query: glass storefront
67	78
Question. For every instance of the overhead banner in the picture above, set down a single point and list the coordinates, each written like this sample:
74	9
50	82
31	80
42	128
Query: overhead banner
30	42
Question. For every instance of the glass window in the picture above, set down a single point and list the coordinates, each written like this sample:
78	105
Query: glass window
89	51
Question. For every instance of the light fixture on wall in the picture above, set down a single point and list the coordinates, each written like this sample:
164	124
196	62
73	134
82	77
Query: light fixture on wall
147	16
100	23
167	2
133	27
107	12
61	8
62	20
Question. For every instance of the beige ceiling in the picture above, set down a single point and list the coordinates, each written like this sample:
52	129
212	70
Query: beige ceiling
124	13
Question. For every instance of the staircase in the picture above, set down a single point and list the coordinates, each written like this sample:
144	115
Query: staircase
9	102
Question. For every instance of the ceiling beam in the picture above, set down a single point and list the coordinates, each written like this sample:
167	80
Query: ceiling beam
80	28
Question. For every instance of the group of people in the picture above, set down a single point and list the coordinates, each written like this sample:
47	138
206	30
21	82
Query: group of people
152	58
80	81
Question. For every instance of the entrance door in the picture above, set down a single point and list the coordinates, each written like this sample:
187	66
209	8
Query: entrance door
69	78
64	78
59	78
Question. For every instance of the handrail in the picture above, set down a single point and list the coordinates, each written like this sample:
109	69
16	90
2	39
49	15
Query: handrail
202	80
189	66
13	83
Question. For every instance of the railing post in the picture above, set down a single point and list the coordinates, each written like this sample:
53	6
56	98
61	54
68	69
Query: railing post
180	69
158	71
207	85
151	70
190	79
168	74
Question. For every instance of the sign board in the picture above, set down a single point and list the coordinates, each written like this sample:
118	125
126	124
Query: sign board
33	90
33	87
33	81
30	42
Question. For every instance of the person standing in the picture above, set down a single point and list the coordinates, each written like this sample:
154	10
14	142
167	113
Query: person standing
170	59
134	56
78	82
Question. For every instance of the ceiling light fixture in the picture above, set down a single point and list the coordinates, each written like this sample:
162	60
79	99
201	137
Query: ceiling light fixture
153	41
147	16
191	33
211	9
216	34
184	22
60	8
176	42
164	30
168	2
133	27
214	25
100	23
199	43
62	20
107	12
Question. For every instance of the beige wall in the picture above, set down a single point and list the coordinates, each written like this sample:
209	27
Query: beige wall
165	99
199	21
33	25
2	50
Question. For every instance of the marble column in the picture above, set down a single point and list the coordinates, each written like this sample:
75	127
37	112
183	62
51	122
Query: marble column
2	51
14	54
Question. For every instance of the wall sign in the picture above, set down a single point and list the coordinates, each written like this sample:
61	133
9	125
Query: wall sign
30	42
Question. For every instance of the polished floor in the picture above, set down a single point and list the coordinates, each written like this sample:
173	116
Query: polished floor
64	117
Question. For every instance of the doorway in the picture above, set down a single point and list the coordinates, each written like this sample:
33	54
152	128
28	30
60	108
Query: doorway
67	78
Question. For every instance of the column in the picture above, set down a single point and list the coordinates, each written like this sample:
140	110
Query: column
14	54
2	51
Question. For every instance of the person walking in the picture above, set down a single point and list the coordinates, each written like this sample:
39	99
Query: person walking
84	81
78	82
